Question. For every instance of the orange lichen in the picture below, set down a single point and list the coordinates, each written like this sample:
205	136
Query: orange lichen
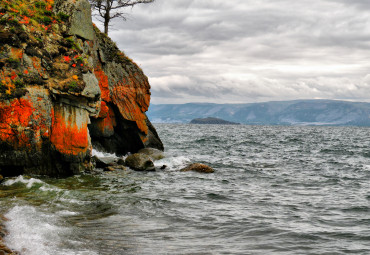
16	53
36	62
103	110
103	84
67	59
14	118
67	137
132	103
106	125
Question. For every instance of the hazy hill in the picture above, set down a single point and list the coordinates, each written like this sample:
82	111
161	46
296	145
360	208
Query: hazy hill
298	112
211	120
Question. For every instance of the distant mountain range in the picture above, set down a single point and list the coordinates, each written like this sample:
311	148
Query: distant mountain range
297	112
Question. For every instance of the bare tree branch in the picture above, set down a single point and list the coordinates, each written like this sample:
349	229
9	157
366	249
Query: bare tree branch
110	9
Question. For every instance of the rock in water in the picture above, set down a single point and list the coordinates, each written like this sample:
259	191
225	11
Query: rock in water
67	90
154	154
140	162
211	120
103	162
197	167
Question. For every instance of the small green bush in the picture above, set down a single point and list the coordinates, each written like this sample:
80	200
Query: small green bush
63	17
19	84
2	87
73	87
40	4
47	20
48	13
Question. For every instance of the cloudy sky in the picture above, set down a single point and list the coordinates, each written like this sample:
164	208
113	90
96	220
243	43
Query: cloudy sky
242	51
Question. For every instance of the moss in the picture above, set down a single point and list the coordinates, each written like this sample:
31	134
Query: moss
19	84
41	5
3	21
2	87
14	63
46	20
62	16
13	22
73	87
48	13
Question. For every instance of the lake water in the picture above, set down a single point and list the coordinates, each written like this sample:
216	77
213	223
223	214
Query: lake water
276	190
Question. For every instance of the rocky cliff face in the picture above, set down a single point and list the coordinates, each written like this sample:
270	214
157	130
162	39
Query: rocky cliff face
63	87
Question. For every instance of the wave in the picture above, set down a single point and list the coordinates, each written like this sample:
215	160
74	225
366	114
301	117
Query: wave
101	154
173	163
21	179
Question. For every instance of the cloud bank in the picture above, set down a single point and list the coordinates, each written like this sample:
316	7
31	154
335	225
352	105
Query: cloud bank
244	51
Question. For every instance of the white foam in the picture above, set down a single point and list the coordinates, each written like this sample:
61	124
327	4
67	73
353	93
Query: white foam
101	154
173	163
33	232
20	179
67	213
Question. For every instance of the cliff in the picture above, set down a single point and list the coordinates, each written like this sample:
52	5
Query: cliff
65	86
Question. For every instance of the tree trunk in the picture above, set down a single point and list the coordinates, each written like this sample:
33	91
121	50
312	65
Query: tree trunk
106	21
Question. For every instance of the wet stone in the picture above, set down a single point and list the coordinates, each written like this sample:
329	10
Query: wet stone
197	167
140	162
153	153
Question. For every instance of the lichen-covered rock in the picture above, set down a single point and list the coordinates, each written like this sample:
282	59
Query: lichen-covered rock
140	162
198	167
63	87
125	99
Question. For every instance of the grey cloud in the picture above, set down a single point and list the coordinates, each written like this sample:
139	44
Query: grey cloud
244	51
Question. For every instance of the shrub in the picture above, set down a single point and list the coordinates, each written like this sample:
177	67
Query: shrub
40	4
63	17
19	84
48	13
46	20
73	87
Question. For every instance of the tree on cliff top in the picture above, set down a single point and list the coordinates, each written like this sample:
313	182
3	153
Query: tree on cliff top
111	9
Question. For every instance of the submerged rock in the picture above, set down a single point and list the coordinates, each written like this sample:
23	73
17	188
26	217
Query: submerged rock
153	153
140	162
115	168
198	167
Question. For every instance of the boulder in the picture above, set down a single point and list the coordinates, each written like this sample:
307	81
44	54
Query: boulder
153	153
121	162
198	167
103	162
140	162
